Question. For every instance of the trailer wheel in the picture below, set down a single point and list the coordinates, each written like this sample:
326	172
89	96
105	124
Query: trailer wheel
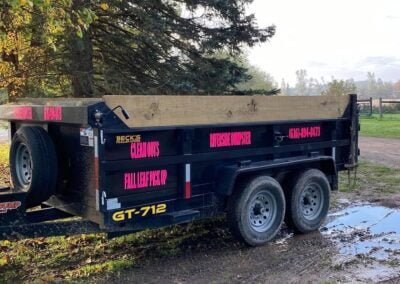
307	199
33	164
256	210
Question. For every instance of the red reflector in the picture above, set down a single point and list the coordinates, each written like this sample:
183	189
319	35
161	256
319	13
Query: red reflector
188	190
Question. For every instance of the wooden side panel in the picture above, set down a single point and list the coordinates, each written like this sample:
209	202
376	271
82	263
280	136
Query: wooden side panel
147	111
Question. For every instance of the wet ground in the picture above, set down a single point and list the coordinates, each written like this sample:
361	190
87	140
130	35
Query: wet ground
358	243
367	240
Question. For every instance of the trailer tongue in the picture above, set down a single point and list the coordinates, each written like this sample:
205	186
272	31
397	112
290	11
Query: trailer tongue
128	163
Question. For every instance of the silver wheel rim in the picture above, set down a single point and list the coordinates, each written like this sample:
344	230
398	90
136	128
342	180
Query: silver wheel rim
311	201
23	165
262	211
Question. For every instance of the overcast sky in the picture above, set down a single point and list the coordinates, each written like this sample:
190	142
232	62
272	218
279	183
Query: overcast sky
339	38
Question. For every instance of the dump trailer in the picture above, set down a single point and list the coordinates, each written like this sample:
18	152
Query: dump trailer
121	164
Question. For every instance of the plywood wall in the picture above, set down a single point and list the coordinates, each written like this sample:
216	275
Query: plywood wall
147	111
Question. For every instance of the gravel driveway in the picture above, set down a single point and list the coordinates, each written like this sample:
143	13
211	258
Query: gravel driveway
384	151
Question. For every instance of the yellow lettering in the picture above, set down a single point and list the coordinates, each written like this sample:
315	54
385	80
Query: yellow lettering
118	216
129	213
145	210
161	208
124	139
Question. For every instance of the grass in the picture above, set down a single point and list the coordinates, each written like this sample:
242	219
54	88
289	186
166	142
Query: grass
388	126
4	150
372	176
79	257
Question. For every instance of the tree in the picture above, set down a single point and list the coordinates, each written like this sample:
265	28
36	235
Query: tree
132	46
284	87
170	46
375	87
81	57
32	43
340	87
258	81
396	89
302	82
371	85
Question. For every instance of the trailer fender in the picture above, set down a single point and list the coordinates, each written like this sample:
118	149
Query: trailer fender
228	175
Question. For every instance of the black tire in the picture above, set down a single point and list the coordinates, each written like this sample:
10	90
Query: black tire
33	164
256	210
307	199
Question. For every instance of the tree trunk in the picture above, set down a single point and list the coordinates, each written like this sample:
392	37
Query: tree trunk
81	51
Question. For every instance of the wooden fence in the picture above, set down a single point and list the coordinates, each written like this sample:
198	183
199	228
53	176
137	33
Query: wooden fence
380	106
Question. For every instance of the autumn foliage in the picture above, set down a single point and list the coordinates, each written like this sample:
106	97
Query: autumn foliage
86	48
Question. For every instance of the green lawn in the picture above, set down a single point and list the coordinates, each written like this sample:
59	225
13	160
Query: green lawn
388	126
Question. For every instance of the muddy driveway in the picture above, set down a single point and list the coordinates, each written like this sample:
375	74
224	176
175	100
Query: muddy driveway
359	243
384	151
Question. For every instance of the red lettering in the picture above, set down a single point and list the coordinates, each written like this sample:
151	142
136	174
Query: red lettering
52	113
22	113
164	176
228	139
304	132
292	133
11	205
145	179
140	150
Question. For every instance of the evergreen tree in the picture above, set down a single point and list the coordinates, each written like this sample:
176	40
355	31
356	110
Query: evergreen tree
126	47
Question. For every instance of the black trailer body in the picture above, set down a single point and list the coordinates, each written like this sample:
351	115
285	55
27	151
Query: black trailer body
121	178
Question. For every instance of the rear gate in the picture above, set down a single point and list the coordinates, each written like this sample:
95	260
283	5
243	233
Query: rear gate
141	177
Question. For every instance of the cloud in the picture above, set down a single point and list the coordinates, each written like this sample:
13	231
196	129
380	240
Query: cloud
317	64
385	67
380	60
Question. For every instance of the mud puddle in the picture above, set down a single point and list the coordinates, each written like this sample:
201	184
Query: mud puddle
367	238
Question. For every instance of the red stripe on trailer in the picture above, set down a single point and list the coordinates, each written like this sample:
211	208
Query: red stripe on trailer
22	112
188	190
53	113
188	187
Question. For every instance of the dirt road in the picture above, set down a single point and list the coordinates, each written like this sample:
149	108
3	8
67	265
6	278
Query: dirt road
384	151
